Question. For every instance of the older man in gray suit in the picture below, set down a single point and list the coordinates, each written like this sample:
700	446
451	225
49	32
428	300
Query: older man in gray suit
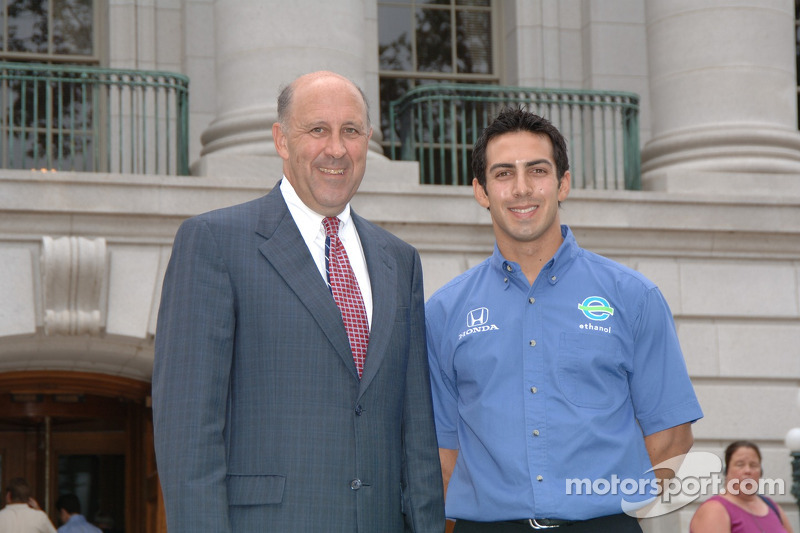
275	409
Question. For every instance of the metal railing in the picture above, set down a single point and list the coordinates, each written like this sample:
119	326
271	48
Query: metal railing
438	124
93	119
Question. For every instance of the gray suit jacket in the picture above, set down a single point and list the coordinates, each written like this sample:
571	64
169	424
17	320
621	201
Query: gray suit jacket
261	422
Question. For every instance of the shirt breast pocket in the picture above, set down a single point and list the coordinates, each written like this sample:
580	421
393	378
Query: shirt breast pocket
591	371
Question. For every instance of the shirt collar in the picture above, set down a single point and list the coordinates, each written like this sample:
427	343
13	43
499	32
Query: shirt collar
308	221
558	264
77	519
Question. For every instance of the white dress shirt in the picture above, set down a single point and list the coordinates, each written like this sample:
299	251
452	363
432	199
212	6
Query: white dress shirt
309	222
21	518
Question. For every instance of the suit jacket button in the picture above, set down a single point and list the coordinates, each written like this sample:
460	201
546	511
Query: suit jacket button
355	484
359	410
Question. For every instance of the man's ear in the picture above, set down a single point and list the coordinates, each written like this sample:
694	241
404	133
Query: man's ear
480	193
280	140
564	186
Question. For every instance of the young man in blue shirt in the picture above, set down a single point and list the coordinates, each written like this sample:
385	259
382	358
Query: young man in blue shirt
69	510
557	376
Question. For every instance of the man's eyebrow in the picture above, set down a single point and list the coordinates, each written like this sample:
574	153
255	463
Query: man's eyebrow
500	165
527	164
312	124
539	162
324	124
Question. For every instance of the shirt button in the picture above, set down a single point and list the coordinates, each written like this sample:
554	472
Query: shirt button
359	410
508	267
531	300
534	390
355	484
505	280
552	278
535	432
539	478
533	343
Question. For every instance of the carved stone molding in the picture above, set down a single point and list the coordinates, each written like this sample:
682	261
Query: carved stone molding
73	278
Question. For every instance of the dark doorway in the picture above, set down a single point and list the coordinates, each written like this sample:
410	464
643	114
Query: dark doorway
99	483
96	446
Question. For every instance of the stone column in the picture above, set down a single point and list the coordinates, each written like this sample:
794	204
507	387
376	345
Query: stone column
261	46
722	85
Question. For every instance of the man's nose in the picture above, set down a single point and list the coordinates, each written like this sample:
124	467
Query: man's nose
522	185
335	147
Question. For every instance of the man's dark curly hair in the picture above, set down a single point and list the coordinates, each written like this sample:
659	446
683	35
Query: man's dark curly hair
513	119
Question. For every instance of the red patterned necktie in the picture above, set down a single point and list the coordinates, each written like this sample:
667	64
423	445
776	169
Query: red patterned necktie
346	293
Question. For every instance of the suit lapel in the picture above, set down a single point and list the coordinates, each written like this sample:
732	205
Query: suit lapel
288	254
383	281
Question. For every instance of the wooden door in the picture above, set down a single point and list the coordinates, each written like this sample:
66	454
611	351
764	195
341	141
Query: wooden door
67	438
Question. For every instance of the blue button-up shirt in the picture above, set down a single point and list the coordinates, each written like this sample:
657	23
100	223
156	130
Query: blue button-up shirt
77	524
547	389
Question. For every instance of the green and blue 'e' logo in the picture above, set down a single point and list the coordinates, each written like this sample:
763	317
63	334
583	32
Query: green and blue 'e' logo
596	308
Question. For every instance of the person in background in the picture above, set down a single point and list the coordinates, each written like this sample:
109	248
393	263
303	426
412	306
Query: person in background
290	384
22	513
552	368
69	510
740	509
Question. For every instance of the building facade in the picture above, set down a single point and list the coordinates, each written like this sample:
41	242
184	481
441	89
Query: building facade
716	223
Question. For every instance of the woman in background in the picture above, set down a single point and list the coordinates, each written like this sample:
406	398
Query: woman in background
740	509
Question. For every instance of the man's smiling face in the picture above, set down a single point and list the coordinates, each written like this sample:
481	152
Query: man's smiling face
522	190
324	142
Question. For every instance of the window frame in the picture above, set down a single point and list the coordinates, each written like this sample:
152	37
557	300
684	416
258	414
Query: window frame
38	57
416	77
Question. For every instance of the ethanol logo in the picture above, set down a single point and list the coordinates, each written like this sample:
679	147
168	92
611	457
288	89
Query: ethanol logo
596	308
